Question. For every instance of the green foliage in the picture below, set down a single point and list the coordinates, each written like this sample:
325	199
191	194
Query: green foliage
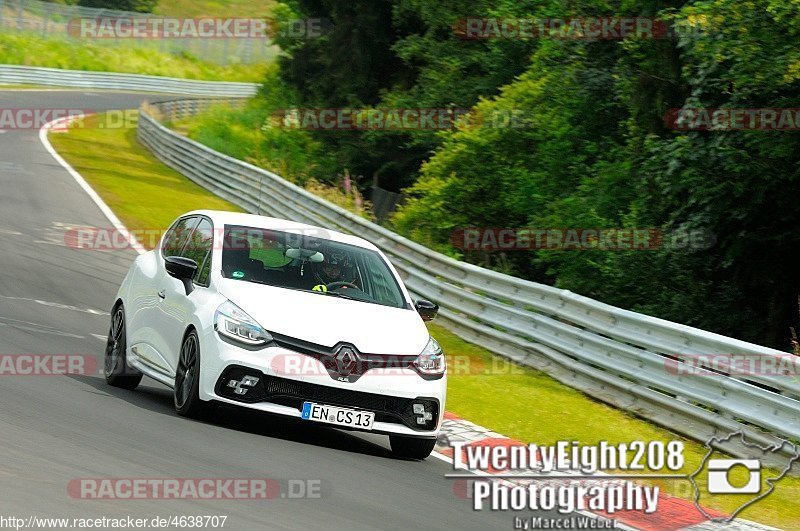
402	54
250	134
79	54
597	154
741	185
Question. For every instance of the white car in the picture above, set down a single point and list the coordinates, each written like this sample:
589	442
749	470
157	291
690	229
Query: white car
283	318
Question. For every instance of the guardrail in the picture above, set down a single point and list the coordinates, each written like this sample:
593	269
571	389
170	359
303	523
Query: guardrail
629	360
15	75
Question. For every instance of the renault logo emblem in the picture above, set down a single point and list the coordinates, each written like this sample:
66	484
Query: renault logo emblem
346	360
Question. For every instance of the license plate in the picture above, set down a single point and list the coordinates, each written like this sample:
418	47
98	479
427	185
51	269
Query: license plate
340	416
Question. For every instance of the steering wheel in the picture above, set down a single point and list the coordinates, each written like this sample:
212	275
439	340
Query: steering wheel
335	285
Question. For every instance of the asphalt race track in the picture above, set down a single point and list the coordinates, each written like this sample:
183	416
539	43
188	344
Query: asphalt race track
53	429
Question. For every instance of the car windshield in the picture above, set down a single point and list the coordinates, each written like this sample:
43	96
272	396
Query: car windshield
308	263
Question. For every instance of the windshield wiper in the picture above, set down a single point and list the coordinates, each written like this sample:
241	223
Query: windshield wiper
341	295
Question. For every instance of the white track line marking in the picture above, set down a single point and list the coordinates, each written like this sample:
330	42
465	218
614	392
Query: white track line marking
55	305
107	212
35	327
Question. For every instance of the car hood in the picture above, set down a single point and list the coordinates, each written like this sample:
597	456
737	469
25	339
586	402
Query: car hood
326	320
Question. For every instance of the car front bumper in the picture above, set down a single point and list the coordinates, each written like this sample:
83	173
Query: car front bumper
282	387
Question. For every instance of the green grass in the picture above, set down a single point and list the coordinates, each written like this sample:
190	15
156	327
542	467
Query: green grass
516	401
140	190
74	54
245	133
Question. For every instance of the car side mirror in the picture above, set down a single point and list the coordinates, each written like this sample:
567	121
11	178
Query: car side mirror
426	309
183	269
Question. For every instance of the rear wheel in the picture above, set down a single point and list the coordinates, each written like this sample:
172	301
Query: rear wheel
187	379
411	447
115	365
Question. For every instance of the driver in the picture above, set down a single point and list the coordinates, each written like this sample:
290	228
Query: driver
334	268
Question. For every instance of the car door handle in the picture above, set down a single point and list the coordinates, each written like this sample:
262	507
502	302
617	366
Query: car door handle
162	294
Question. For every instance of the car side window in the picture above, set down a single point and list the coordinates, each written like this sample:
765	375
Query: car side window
177	236
199	250
204	271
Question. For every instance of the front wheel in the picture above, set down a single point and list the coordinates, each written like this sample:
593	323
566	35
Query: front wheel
411	447
115	365
187	379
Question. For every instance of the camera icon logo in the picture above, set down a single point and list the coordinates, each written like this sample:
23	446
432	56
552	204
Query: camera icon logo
719	481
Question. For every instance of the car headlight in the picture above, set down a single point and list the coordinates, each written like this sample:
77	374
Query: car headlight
234	323
431	361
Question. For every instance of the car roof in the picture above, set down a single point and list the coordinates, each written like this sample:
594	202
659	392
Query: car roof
223	217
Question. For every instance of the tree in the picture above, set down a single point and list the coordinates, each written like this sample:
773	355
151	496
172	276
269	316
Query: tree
593	151
403	54
598	155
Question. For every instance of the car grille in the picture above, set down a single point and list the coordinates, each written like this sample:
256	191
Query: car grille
293	393
327	355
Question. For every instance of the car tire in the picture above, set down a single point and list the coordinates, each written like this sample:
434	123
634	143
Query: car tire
115	361
187	379
411	447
